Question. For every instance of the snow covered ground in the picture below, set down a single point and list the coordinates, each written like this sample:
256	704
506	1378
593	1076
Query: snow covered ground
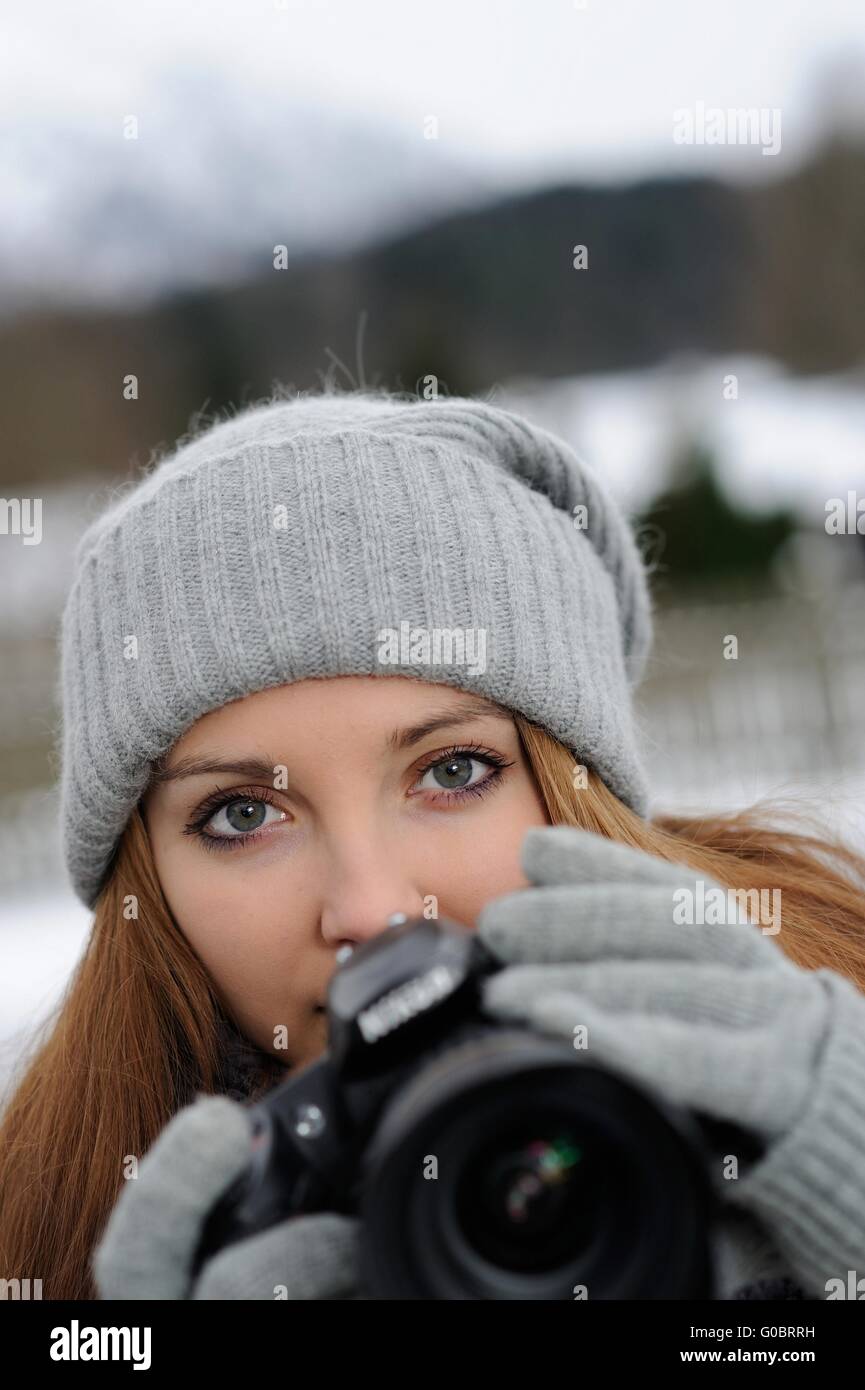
782	440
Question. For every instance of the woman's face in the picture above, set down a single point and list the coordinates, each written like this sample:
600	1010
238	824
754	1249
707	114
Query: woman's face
298	819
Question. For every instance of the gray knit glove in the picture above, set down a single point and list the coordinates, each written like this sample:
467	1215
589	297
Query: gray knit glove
714	1017
149	1242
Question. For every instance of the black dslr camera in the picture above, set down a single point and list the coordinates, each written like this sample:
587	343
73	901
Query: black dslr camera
484	1161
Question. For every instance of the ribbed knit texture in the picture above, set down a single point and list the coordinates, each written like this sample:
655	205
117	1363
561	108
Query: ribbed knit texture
450	514
811	1187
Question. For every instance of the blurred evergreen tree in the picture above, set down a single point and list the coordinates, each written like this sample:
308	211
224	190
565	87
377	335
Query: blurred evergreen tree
694	535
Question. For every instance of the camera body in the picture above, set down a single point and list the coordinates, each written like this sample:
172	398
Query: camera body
483	1160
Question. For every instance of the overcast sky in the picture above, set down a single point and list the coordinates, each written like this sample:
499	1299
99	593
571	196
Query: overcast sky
532	92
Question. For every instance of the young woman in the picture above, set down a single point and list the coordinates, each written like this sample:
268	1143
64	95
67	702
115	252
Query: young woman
343	656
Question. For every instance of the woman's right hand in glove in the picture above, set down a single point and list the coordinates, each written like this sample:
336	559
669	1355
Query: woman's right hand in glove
149	1243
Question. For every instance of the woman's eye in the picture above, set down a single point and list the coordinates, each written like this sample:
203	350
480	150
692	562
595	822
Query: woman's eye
241	817
453	774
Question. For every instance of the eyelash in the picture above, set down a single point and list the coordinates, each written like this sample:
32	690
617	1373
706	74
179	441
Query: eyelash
214	803
480	754
218	799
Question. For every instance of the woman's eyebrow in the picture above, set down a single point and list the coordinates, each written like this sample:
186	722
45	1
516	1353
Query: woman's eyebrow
262	770
465	712
255	769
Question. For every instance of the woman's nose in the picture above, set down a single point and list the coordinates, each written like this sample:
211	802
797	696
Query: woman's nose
345	952
358	907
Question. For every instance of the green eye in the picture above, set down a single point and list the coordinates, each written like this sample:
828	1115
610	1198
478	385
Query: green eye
245	815
454	773
239	819
461	772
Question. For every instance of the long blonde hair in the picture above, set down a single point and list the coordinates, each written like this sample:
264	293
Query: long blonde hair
138	1032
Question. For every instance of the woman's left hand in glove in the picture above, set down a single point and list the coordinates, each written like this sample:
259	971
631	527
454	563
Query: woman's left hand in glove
713	1016
147	1250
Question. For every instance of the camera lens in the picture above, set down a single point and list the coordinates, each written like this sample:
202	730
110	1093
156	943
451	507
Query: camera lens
505	1168
530	1197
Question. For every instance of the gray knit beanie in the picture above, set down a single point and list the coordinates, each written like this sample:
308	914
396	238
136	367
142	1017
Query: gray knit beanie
356	533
